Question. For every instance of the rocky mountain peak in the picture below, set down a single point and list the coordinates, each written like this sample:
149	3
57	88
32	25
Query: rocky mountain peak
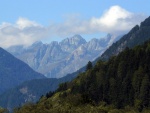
75	40
146	22
93	44
134	29
37	43
72	43
54	43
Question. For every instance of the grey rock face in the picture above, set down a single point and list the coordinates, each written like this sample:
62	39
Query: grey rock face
55	60
70	44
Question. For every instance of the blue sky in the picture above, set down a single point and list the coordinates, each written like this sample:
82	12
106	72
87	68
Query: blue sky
27	21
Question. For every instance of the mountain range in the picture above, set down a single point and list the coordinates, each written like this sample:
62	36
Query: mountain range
121	84
58	59
139	35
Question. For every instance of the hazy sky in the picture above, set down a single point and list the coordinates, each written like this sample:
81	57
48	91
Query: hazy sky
27	21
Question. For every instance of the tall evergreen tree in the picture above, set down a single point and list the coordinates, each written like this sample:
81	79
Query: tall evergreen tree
145	91
89	65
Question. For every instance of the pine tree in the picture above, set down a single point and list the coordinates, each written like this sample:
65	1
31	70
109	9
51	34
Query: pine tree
144	91
89	65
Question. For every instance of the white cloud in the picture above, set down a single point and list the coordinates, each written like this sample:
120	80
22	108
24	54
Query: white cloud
24	32
23	23
114	20
111	17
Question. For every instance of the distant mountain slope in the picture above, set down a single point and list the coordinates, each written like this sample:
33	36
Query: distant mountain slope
138	35
13	71
30	91
55	60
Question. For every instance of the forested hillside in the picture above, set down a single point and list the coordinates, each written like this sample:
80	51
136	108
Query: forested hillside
120	85
30	91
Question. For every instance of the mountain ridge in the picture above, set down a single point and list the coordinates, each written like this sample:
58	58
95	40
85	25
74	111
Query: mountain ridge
14	71
137	35
57	59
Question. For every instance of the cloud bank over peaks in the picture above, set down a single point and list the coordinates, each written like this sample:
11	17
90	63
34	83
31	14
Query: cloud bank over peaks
23	23
114	20
23	32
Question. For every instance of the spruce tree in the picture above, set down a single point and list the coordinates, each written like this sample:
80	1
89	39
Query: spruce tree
89	65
